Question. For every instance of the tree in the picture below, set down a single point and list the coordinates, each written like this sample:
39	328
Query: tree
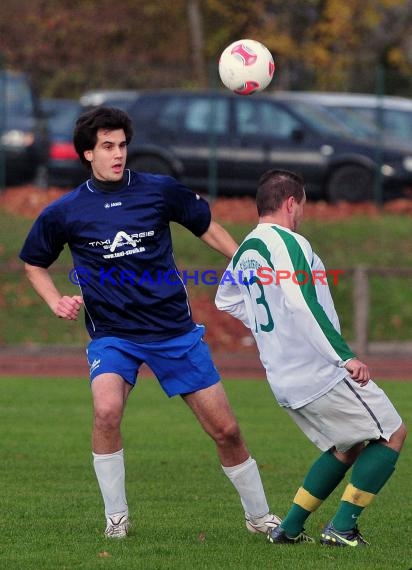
71	46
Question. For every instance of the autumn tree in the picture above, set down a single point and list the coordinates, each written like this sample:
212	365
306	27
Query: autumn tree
71	46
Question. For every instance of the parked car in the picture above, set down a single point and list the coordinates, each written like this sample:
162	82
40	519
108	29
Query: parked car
121	98
216	139
23	130
391	116
64	166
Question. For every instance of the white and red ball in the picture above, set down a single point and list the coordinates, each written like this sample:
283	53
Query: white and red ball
246	66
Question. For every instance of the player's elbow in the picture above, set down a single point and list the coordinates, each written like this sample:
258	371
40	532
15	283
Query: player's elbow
29	269
32	270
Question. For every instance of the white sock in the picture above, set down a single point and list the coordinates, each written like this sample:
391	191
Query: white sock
110	475
246	480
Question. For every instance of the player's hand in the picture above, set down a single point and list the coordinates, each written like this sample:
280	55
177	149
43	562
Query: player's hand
359	372
68	307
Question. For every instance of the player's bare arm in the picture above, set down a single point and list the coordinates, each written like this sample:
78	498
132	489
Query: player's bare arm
359	372
218	238
63	306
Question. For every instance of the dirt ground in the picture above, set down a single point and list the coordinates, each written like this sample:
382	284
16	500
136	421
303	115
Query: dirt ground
60	362
233	347
28	201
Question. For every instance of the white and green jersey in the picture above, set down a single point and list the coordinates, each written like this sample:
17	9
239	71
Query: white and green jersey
276	285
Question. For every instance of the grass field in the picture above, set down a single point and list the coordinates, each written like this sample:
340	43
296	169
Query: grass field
185	513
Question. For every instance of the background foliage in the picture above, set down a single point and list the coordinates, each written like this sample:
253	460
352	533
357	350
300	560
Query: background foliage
71	46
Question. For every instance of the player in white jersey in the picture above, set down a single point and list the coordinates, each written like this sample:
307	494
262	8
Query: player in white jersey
279	289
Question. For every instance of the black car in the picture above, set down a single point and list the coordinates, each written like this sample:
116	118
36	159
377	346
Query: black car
64	166
24	136
220	142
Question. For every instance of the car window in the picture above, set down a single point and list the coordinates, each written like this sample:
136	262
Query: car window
396	122
262	118
359	123
204	115
197	115
321	120
170	116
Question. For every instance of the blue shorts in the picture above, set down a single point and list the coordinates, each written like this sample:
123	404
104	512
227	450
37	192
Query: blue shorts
182	364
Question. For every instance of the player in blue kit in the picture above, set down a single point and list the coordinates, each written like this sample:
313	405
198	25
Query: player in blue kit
116	225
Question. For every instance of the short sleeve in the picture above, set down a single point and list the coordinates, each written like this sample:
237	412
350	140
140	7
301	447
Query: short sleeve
45	240
186	207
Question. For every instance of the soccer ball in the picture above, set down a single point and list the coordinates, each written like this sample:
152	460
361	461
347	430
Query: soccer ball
246	66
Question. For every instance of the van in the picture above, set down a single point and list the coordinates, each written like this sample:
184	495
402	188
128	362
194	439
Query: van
218	142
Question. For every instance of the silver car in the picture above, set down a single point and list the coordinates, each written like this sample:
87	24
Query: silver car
387	116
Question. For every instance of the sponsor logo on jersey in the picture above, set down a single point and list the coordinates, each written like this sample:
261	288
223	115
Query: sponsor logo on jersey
128	244
122	238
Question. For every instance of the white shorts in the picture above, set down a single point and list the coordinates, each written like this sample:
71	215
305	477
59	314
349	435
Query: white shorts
346	415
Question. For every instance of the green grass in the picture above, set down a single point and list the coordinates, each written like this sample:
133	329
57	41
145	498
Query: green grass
185	512
373	241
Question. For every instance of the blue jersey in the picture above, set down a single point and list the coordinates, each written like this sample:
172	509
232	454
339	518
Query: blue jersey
121	245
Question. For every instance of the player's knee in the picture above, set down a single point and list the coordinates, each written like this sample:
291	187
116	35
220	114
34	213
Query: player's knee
107	418
403	431
398	437
349	457
228	434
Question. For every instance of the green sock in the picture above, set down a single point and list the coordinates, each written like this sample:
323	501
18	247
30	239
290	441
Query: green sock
371	471
322	478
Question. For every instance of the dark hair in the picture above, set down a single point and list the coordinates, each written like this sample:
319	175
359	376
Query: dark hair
89	122
274	187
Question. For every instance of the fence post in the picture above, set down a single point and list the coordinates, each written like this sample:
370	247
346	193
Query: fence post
361	305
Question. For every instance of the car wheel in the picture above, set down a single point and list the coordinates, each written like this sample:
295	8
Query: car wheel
350	183
151	164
